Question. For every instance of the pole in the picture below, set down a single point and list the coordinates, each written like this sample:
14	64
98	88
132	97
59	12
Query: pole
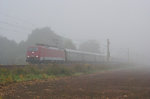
108	52
128	55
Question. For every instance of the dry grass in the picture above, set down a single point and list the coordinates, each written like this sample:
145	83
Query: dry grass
32	72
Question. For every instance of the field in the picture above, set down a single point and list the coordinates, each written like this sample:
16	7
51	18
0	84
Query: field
18	73
125	83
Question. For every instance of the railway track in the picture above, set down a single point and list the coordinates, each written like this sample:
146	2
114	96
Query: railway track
66	64
11	66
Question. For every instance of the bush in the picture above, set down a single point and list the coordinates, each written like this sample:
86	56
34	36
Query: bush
8	75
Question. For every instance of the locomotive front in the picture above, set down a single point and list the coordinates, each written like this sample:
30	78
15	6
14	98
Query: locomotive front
33	55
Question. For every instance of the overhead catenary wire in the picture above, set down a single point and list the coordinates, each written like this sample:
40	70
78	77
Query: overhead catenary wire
14	25
18	19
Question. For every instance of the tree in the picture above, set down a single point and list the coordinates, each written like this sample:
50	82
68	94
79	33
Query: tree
69	44
90	46
45	36
7	51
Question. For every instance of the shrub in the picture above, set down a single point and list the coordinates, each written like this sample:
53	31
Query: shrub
29	72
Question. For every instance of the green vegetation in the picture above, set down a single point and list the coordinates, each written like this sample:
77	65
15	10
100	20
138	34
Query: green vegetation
9	75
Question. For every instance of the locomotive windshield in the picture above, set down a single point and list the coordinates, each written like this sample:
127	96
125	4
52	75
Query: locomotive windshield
33	49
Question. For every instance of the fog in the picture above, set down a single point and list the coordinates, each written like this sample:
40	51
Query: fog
125	22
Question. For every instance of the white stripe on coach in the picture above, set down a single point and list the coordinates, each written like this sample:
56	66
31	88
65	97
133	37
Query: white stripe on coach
51	58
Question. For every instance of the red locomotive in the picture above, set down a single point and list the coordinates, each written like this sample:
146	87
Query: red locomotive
42	54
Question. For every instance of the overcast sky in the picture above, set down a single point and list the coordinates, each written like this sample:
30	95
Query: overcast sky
125	22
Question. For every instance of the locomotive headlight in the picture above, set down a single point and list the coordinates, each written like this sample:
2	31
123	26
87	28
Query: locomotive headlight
37	56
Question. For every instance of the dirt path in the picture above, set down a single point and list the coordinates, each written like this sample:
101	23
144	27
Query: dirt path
119	84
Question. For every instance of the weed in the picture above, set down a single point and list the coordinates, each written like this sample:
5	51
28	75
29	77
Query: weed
45	71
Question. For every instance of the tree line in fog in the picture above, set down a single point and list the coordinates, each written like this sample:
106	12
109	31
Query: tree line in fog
15	53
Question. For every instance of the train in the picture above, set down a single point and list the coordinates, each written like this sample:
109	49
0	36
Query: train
45	54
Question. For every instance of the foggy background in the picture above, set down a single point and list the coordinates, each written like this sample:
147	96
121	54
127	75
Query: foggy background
125	22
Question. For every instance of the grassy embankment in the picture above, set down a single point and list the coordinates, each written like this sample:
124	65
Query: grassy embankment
34	72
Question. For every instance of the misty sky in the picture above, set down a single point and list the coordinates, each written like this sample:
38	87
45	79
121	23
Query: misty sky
125	22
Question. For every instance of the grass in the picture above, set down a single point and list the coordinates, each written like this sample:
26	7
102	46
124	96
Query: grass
34	72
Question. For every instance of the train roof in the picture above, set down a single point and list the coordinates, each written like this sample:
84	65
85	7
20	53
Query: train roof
83	52
39	46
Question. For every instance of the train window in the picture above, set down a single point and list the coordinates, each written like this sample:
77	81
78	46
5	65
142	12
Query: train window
33	49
